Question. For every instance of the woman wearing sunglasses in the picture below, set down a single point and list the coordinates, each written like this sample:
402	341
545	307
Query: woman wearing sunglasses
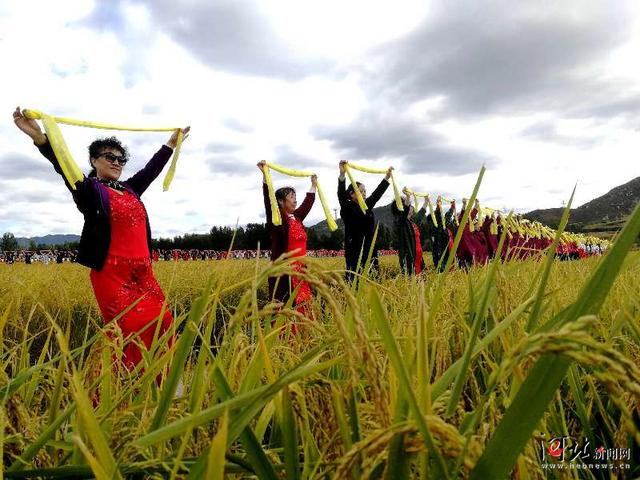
116	238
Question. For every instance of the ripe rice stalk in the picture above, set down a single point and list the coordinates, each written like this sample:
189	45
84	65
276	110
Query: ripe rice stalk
251	401
289	428
401	370
479	312
548	373
362	375
183	349
254	452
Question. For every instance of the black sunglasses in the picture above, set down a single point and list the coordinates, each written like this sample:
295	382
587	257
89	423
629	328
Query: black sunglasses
112	159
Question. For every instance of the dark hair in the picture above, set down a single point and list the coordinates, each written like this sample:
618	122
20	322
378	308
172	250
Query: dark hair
350	187
396	211
281	193
98	146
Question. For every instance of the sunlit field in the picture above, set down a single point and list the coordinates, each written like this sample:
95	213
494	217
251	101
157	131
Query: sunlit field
432	377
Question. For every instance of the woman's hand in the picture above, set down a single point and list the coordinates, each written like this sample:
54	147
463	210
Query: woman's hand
314	182
262	164
406	198
29	126
389	173
343	167
173	141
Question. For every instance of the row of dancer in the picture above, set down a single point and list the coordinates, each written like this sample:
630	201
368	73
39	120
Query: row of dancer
115	243
291	237
479	239
116	238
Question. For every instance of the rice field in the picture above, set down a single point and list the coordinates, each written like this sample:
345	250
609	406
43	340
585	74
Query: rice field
458	375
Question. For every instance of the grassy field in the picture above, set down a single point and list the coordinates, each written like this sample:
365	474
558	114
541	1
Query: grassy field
463	375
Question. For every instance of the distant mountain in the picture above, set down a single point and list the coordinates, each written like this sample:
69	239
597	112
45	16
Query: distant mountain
24	242
603	214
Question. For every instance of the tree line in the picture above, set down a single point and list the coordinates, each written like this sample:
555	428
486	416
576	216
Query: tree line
219	238
254	234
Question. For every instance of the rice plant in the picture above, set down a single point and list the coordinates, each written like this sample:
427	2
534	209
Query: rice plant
457	375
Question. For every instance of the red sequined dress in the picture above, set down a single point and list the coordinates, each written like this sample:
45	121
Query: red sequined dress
298	240
127	276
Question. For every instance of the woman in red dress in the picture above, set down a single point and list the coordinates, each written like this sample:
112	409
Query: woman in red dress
490	238
127	277
481	256
468	248
290	236
116	237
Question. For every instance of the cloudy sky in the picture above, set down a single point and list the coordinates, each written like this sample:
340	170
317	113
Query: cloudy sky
545	94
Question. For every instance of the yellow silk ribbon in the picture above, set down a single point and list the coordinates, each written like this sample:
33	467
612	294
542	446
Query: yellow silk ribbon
429	205
276	218
415	197
359	199
71	171
493	228
508	223
487	212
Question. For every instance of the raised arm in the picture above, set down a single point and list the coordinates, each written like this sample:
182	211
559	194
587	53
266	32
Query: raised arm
47	151
31	128
141	180
267	204
303	210
379	191
406	201
342	188
265	193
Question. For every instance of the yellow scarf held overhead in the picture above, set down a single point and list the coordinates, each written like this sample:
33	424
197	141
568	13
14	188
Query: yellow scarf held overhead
69	167
493	228
360	200
276	218
491	213
429	205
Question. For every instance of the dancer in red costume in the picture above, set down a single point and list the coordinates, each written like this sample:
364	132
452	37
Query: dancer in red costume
116	237
491	238
291	236
481	256
467	248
